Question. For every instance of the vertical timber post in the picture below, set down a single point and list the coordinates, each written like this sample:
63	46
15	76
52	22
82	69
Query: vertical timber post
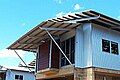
37	60
90	74
50	54
59	47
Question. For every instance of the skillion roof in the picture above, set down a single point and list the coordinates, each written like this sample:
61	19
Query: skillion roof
58	26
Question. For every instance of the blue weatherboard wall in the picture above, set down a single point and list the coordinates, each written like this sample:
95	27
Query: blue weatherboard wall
100	58
88	47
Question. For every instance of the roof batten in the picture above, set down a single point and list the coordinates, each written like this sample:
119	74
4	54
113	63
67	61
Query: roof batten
104	16
74	17
68	18
101	18
81	15
61	19
56	20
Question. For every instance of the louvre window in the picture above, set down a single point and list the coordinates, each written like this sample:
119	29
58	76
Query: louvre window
114	48
105	45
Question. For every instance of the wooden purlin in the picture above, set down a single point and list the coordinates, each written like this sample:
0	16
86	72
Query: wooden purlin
23	36
81	15
105	16
29	37
44	33
53	32
56	20
101	18
50	20
61	19
101	23
68	18
63	27
74	17
35	38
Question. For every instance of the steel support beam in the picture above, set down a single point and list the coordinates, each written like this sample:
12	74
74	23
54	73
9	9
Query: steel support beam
22	60
59	29
84	19
90	18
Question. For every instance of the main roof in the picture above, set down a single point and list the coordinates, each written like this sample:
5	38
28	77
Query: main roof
31	40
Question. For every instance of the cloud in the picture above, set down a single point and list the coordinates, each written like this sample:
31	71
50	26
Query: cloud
10	53
60	14
23	24
60	1
77	7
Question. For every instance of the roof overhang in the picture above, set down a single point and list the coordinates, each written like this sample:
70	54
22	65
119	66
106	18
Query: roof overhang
102	20
35	37
58	26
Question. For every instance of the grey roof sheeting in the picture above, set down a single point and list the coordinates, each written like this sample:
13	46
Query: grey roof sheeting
31	40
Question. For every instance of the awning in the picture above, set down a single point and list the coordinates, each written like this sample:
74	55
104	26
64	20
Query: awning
31	40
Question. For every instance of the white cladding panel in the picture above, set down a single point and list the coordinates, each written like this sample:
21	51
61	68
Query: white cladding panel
10	75
83	51
79	54
103	59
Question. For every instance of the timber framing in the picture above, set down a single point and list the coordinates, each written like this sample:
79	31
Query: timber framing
31	40
78	73
55	73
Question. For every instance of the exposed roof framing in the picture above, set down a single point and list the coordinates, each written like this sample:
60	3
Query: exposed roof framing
31	40
87	14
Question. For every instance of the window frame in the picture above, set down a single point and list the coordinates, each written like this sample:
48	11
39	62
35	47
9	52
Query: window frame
19	77
110	46
104	45
117	53
70	54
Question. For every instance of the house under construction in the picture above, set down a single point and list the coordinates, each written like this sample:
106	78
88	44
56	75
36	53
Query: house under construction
80	46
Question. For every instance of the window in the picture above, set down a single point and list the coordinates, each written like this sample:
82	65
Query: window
105	45
68	47
110	46
18	77
114	48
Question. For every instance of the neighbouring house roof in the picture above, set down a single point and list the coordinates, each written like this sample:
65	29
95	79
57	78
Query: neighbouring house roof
19	69
31	40
32	63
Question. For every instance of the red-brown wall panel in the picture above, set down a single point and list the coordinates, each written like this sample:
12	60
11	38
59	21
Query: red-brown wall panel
2	75
55	56
43	56
43	61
